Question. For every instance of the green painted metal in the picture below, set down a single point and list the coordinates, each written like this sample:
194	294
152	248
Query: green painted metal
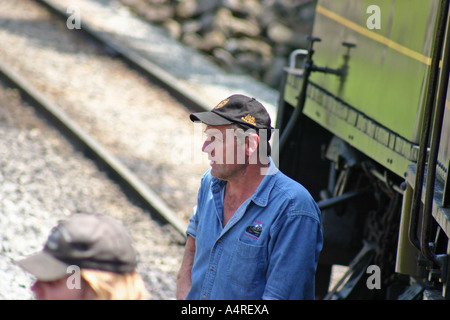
363	133
386	75
383	83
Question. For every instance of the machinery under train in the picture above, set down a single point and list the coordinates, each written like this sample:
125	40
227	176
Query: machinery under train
364	121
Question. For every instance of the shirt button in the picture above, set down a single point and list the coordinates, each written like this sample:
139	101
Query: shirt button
204	297
212	268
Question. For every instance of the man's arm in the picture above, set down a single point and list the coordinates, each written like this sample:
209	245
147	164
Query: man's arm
184	281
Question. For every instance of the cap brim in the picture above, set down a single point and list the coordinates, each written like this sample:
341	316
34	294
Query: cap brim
44	266
210	118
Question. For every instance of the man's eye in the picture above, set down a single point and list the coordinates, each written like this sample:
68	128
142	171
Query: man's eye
213	138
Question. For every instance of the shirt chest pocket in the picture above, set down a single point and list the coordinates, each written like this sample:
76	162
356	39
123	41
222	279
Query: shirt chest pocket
248	265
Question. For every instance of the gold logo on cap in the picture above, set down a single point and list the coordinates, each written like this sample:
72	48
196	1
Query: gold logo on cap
249	119
222	103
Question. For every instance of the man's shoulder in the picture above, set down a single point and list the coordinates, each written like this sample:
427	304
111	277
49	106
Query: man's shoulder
290	187
299	198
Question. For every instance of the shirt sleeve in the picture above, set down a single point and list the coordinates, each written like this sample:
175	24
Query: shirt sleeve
192	227
193	221
293	259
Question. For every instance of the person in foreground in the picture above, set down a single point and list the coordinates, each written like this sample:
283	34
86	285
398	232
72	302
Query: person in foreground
255	233
86	257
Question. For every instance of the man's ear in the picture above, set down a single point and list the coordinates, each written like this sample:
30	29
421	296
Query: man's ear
252	144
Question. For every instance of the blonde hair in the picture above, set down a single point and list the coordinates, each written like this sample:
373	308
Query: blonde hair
115	286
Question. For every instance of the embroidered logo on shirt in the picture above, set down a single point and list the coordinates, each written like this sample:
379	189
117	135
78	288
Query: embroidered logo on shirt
254	231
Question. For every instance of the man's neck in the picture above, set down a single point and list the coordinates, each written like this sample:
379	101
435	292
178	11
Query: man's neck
244	185
239	189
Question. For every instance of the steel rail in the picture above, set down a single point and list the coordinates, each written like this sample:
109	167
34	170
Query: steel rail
142	64
159	210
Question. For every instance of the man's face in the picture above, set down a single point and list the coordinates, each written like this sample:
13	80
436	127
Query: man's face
227	155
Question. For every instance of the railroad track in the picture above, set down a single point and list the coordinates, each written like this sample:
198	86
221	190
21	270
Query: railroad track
25	229
159	209
149	69
54	104
128	179
44	178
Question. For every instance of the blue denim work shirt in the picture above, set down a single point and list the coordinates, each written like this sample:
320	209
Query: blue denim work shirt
268	250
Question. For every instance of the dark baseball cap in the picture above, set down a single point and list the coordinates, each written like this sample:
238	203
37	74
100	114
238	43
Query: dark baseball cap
87	241
238	109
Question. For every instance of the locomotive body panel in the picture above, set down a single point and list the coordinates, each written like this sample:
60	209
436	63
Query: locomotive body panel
376	106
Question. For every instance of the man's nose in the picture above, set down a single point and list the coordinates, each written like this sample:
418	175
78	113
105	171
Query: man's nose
205	146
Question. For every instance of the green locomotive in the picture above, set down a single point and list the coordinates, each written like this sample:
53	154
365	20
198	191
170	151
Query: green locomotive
364	124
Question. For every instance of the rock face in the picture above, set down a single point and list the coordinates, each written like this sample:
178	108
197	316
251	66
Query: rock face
243	36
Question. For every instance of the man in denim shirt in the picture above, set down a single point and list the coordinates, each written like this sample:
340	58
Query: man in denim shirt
255	233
